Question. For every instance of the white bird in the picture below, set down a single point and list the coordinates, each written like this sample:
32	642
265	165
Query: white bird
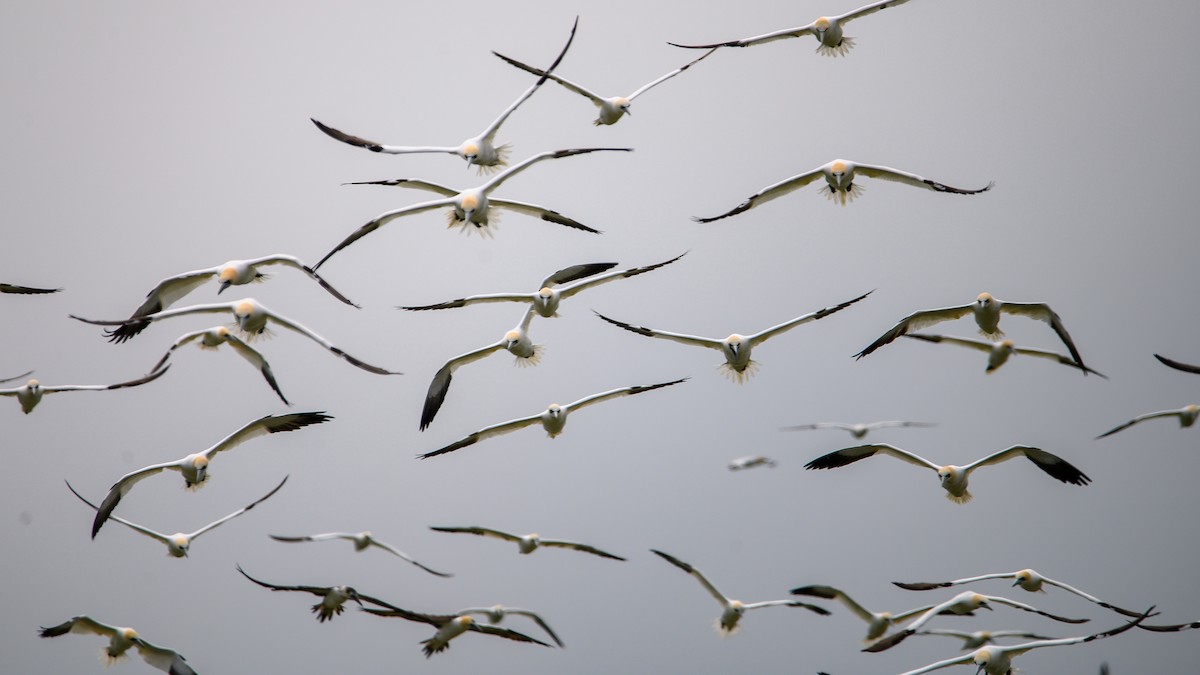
1187	417
840	186
479	151
954	478
997	660
333	598
553	419
749	462
979	638
732	610
999	352
858	429
252	318
736	348
179	543
986	311
449	626
470	206
231	273
826	29
120	640
30	394
516	341
528	543
194	467
611	108
877	622
211	338
548	297
496	613
1027	579
1177	365
362	540
26	290
964	603
18	377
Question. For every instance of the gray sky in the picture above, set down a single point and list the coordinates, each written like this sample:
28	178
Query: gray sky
149	139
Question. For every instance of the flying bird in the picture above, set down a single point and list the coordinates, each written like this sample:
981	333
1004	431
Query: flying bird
840	185
986	311
120	640
449	626
964	603
1187	417
231	273
611	108
252	318
857	430
732	610
826	29
528	543
516	341
26	290
999	352
333	598
979	638
470	206
553	419
211	338
194	467
954	478
479	151
179	543
877	622
362	540
30	394
736	348
1027	579
496	613
749	462
546	300
1177	365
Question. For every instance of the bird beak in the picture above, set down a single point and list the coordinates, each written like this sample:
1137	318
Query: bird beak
980	669
1017	582
224	285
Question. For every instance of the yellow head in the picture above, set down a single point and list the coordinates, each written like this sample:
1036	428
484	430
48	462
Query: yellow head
33	383
200	462
984	298
821	24
470	202
227	275
470	150
982	657
545	292
512	336
221	331
1007	344
128	633
180	541
838	168
245	308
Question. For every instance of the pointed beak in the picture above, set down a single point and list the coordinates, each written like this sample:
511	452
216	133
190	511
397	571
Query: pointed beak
224	285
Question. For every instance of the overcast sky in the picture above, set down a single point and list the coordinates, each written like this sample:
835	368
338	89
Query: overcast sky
146	139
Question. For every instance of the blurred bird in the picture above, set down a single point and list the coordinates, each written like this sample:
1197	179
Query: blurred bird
211	338
30	394
1187	417
979	638
120	639
611	108
333	598
194	467
546	300
998	352
1027	579
553	419
231	273
736	348
496	613
857	430
449	627
826	29
986	311
179	543
877	622
528	543
362	540
479	151
251	317
840	185
954	478
749	462
26	290
732	610
471	206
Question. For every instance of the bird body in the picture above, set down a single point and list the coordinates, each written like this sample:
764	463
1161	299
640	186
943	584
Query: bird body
211	338
449	626
496	613
1027	579
528	543
361	541
1187	417
749	462
120	640
333	598
877	622
999	352
857	429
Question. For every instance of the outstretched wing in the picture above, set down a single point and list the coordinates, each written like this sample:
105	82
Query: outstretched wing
1141	418
1177	365
257	360
612	276
52	389
26	290
383	219
484	433
768	193
712	590
616	393
916	321
888	173
868	9
490	132
676	337
237	513
1042	312
481	531
288	323
559	543
379	147
646	87
401	554
840	458
756	40
268	424
546	75
540	212
1052	464
763	336
440	385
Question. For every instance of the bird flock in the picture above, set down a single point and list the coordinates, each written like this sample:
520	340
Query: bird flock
987	649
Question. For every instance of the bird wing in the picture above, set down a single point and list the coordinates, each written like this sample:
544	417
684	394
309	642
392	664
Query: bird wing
978	345
26	290
21	376
537	619
208	308
79	624
397	552
172	289
1141	418
840	458
867	9
888	173
481	531
756	40
1042	312
391	610
1164	360
484	433
122	487
927	586
899	423
314	537
644	88
1029	608
299	328
1065	360
440	385
504	633
53	389
138	528
831	593
712	590
611	276
382	219
315	590
166	660
513	170
237	513
475	299
786	603
490	132
916	321
179	342
1092	598
546	75
540	212
615	393
379	147
768	193
258	361
574	273
412	183
1050	463
763	336
268	424
292	261
559	543
965	658
677	337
